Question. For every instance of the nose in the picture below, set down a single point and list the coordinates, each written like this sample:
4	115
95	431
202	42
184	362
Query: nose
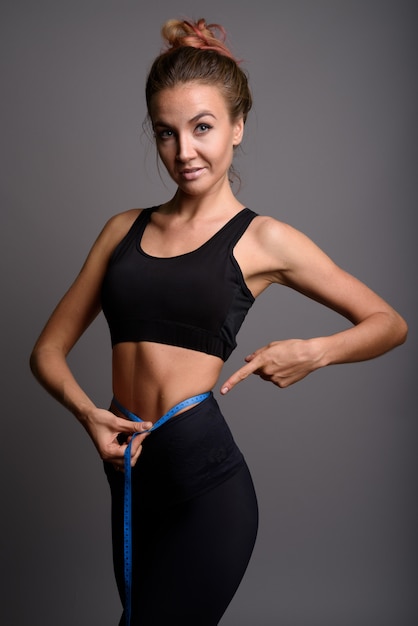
185	148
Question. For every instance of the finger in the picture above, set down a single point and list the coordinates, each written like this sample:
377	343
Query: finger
136	444
240	375
126	426
133	434
118	460
136	453
251	356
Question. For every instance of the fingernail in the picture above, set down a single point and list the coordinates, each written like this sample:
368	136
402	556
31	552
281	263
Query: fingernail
224	390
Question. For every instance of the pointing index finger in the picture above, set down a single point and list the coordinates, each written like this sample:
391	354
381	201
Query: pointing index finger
240	375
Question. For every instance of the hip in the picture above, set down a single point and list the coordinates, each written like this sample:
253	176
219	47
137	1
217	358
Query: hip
192	452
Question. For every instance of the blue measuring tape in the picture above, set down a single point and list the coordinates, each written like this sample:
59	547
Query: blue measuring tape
127	502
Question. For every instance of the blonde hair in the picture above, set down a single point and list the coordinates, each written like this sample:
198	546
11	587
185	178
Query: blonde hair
196	52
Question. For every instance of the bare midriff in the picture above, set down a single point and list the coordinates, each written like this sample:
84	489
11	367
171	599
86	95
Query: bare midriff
150	378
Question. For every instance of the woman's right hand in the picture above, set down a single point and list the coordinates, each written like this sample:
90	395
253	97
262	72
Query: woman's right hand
104	428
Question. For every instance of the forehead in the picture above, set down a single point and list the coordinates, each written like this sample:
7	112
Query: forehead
186	101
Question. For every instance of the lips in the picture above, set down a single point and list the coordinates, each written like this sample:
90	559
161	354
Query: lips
191	173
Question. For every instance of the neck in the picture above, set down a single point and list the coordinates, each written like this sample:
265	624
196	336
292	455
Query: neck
222	201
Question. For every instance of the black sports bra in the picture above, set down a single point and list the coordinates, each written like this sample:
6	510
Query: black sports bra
196	300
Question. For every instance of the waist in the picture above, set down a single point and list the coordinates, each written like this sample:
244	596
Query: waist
175	410
150	378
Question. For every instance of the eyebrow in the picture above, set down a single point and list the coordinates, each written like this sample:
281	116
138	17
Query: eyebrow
196	118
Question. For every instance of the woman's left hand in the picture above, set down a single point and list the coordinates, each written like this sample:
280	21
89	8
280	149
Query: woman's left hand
280	362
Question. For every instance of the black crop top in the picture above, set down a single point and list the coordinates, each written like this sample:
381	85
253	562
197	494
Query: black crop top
196	300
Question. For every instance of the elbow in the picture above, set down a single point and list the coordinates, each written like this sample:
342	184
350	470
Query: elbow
45	359
397	329
33	362
38	360
402	330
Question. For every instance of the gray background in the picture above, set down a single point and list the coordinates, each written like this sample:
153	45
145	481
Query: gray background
331	148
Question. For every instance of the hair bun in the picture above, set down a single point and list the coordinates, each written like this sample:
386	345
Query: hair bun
180	33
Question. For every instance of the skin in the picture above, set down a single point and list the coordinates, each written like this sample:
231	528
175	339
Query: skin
195	138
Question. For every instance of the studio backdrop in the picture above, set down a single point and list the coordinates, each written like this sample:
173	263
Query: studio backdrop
330	147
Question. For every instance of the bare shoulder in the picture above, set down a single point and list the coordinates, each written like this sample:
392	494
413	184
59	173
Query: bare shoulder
279	242
271	232
275	252
111	234
117	227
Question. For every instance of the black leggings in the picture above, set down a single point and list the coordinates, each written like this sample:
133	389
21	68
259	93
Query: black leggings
191	541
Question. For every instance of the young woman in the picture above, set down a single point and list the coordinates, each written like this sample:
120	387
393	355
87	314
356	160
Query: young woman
175	282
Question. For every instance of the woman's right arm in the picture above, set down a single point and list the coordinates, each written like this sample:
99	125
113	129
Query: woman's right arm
74	313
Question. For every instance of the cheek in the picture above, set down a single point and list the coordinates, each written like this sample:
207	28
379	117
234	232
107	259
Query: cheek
164	153
227	152
221	148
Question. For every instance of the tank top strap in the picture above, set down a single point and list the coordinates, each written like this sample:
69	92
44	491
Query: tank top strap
133	235
229	235
142	220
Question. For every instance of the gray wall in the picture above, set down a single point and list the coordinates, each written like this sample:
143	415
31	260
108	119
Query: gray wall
331	149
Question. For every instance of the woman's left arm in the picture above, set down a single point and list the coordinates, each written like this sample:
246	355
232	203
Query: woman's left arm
290	258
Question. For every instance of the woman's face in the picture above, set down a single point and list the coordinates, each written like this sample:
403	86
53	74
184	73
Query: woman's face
195	136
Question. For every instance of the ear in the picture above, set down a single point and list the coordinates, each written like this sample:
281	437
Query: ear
238	132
